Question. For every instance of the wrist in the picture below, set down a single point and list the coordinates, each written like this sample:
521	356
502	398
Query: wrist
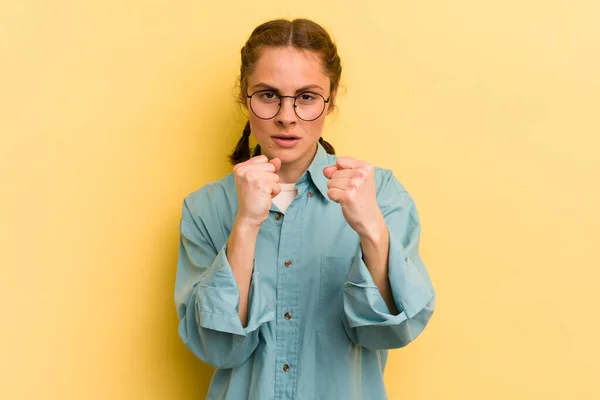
241	245
246	225
374	232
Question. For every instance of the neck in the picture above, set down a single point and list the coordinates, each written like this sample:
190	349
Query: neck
291	172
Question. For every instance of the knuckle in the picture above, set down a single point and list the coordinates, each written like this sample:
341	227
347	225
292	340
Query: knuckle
264	186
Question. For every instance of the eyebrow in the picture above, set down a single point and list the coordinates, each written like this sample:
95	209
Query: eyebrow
302	89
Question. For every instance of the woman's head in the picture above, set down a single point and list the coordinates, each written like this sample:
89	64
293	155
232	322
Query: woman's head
280	59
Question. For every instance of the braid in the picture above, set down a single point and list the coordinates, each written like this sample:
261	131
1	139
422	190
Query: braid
327	146
241	152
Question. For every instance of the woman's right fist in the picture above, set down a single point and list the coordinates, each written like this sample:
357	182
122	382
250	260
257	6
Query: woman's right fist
257	183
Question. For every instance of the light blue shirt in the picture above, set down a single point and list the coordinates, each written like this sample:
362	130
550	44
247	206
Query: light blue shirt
318	327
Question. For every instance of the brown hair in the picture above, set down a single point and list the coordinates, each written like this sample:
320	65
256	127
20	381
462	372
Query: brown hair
302	34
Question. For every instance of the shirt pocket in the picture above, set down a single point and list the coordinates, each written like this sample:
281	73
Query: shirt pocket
334	273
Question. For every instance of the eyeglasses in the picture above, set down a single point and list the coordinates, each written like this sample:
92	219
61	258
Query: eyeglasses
266	104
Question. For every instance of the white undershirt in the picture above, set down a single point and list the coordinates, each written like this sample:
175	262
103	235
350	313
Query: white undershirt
285	197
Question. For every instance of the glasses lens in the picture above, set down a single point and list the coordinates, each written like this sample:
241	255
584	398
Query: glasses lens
309	106
265	104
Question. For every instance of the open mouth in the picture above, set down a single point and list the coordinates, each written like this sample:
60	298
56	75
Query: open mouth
289	138
286	141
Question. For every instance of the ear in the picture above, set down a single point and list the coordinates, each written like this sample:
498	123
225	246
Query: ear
243	100
331	104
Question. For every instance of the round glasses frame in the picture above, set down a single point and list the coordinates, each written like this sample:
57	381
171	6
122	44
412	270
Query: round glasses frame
325	102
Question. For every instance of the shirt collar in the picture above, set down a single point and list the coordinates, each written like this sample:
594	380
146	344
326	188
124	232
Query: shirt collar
315	170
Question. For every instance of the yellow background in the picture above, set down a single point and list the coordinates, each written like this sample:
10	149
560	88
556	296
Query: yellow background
112	111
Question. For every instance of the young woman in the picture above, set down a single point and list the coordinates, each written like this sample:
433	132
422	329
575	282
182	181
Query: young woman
300	269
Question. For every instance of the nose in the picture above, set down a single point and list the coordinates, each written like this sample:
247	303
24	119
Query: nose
287	115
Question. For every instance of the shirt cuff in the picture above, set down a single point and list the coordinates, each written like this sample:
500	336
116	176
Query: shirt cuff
363	303
218	297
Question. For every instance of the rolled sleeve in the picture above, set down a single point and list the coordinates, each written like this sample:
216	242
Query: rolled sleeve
207	300
363	303
218	297
367	318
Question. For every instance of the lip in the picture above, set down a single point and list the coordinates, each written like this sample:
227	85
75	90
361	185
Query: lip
283	141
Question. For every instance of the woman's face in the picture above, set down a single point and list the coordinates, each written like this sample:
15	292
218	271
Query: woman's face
286	71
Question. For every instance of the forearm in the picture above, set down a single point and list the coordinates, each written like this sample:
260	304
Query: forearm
375	247
240	254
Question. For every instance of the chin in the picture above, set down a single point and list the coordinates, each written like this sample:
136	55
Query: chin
286	156
273	151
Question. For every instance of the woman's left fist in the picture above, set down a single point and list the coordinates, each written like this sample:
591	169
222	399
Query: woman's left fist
352	185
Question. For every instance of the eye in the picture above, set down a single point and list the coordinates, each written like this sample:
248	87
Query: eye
307	97
268	95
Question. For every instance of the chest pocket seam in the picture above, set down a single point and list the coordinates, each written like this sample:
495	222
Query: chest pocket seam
334	273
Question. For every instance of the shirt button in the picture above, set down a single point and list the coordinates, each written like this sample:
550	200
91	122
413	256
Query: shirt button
278	216
287	315
310	194
286	367
287	263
